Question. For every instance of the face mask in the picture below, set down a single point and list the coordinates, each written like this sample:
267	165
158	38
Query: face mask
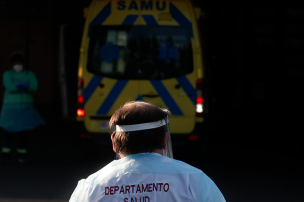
18	68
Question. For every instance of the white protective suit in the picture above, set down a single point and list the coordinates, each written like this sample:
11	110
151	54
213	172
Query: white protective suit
147	177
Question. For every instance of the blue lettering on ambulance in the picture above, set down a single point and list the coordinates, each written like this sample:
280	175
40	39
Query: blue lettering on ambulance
146	5
133	5
162	8
121	5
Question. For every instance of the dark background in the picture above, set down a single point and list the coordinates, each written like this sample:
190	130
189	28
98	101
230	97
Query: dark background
254	61
253	56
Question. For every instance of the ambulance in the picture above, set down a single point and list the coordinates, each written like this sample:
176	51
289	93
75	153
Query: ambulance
146	50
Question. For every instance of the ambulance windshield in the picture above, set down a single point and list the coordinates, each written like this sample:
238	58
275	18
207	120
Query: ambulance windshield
140	52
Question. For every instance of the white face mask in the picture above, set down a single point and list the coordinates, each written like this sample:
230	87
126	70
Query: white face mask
17	68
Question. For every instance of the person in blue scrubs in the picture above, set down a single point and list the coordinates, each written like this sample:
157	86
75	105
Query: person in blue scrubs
144	171
18	116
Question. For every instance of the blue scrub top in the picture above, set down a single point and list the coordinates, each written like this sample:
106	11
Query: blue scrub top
18	112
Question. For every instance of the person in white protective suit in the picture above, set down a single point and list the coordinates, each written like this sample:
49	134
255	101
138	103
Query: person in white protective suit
146	170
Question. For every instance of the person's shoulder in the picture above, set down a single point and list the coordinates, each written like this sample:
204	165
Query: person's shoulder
7	72
110	169
165	165
186	167
101	174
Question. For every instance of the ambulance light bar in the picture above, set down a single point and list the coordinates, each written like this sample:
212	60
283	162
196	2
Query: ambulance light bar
80	112
199	98
80	99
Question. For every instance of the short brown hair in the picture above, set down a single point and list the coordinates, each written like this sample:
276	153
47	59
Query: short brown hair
137	112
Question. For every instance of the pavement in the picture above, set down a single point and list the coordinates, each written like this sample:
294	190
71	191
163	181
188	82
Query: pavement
242	173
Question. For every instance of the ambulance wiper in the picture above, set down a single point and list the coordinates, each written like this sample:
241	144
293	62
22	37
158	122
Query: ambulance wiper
150	96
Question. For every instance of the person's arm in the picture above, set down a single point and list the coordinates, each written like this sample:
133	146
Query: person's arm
203	189
80	192
213	194
8	83
33	83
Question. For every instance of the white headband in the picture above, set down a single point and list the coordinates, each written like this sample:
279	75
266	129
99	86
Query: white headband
142	126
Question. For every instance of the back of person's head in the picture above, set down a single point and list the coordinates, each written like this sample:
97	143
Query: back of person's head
17	57
137	112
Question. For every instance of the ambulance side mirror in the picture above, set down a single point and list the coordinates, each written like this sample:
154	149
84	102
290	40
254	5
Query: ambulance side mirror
85	12
197	13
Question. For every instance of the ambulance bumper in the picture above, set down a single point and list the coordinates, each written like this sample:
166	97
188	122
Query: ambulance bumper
96	138
195	137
